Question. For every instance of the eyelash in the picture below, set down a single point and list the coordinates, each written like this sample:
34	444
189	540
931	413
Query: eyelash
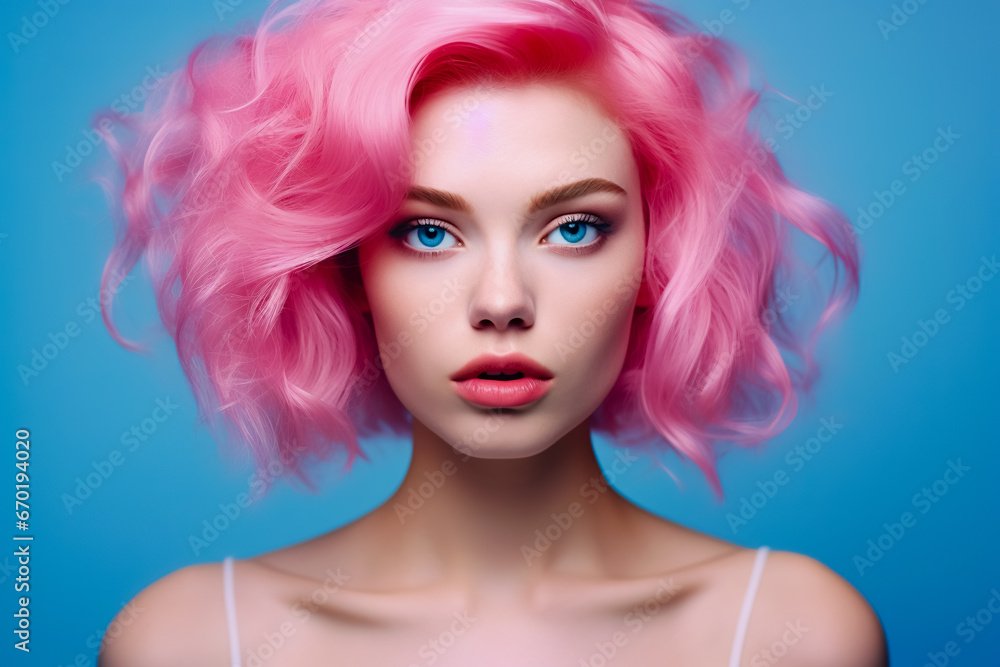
602	227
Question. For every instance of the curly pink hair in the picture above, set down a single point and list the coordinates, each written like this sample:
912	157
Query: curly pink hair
253	174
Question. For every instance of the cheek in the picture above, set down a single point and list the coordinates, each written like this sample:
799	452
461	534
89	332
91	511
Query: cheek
388	300
593	329
410	307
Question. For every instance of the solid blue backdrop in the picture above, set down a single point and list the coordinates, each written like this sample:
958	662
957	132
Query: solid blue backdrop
900	134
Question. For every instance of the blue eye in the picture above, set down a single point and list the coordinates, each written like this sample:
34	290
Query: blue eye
429	237
584	227
422	234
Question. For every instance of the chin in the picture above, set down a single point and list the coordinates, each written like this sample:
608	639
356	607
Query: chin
507	450
505	434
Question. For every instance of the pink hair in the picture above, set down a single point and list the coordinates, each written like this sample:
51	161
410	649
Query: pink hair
254	173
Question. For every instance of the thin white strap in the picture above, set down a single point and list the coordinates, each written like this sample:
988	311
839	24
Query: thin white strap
741	626
234	636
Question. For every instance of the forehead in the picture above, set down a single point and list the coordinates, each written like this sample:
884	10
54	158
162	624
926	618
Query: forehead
547	132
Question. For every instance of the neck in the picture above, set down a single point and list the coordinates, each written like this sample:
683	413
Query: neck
476	522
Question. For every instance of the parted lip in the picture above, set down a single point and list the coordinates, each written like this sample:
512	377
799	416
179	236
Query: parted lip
511	363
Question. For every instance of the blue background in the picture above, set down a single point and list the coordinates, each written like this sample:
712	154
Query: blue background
890	95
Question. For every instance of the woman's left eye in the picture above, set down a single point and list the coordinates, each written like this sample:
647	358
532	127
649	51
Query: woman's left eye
579	231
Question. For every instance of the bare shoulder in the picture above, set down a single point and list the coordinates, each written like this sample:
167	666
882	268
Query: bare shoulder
810	616
177	620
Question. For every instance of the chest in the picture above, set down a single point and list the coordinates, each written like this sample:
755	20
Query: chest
642	636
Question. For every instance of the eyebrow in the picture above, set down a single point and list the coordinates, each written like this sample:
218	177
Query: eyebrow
539	202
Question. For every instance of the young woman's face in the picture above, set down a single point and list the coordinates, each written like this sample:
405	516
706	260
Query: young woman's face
505	268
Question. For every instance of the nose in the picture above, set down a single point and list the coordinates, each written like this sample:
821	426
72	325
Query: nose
500	295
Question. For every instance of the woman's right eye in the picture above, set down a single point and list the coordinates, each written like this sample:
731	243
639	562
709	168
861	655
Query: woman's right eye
425	236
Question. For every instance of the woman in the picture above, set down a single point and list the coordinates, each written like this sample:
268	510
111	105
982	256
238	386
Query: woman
496	227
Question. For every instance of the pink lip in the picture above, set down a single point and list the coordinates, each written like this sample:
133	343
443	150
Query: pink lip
502	393
536	382
515	362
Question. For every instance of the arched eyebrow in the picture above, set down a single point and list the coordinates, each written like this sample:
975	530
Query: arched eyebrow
539	202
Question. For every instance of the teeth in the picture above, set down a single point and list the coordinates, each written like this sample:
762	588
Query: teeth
494	372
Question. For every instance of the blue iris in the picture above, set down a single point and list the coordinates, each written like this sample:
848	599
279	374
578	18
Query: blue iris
430	235
573	231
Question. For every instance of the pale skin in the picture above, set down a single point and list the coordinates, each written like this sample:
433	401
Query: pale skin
463	579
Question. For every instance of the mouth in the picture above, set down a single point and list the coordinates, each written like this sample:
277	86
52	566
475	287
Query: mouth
506	368
509	381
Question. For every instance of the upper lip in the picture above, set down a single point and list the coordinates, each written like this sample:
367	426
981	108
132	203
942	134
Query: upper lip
513	363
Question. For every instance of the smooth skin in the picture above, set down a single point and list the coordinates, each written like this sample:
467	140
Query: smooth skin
465	579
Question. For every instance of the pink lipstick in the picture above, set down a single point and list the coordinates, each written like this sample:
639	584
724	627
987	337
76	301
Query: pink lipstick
505	381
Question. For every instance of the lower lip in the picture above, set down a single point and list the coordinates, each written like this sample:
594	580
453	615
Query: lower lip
502	393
